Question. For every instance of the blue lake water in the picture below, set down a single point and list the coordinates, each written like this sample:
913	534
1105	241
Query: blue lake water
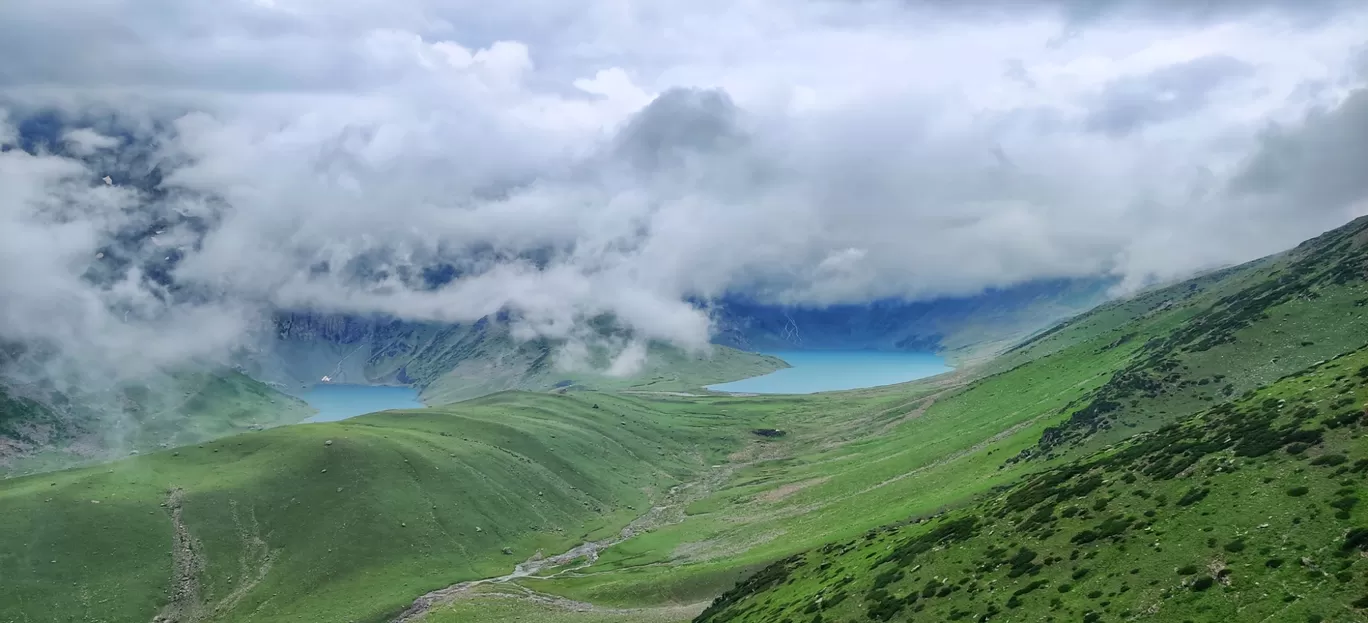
824	371
339	402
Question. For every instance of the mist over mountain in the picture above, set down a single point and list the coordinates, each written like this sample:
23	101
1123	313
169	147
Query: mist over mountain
717	311
600	186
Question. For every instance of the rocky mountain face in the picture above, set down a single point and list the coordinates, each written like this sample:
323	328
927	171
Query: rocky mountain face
962	327
306	347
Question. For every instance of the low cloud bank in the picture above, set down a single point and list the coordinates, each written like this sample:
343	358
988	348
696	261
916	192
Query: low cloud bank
441	162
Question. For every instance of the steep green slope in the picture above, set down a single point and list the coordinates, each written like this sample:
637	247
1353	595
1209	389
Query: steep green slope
853	461
1249	511
172	410
847	462
1239	330
345	521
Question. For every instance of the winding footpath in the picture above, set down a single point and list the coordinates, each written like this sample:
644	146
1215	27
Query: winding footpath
669	511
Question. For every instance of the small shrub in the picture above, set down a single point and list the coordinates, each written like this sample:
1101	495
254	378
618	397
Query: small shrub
1357	538
1329	460
1345	503
1193	496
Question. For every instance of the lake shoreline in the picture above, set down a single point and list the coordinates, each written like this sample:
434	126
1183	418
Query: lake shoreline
341	401
812	372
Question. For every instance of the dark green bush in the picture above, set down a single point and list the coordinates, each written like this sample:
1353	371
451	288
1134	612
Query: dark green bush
1193	496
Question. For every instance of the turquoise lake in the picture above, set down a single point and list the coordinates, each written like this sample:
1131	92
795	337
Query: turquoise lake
824	371
339	402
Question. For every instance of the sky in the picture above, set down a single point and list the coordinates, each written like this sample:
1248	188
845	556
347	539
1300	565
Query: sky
566	160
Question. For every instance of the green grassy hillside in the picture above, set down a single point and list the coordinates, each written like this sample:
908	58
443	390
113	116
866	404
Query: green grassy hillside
1249	511
344	521
1141	364
713	489
1240	330
857	460
169	411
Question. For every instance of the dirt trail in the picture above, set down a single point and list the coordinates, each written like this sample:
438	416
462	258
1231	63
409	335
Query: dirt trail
669	511
645	392
254	562
513	591
922	407
187	604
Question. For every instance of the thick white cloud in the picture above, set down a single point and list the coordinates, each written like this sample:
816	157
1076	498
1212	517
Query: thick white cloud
618	158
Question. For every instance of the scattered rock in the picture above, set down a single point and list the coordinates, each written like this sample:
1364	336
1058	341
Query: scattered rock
507	551
328	442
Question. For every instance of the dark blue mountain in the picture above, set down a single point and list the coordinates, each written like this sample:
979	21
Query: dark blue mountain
961	327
